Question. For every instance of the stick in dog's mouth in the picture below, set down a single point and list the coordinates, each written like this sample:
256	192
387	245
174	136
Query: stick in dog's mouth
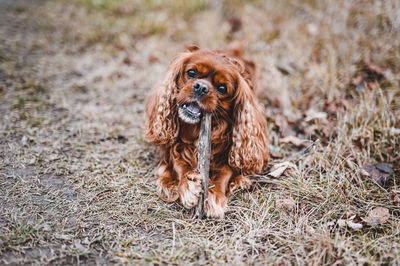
203	163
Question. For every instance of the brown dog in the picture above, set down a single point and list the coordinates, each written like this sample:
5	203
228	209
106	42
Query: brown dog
221	82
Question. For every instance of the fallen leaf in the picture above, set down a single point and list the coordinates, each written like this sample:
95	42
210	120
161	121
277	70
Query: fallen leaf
349	223
292	139
385	167
278	169
378	215
353	225
379	173
288	203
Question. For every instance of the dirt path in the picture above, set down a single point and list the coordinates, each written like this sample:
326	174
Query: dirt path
73	160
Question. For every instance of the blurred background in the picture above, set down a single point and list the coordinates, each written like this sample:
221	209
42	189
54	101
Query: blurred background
303	49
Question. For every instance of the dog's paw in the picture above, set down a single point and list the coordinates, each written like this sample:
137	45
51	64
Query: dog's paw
167	185
239	182
189	190
216	205
167	192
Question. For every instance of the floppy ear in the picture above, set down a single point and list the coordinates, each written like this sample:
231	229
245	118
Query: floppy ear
249	152
162	123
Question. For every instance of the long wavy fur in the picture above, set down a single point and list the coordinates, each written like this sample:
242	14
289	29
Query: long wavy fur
162	125
249	152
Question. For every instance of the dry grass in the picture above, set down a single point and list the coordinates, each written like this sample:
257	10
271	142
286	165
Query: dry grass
76	181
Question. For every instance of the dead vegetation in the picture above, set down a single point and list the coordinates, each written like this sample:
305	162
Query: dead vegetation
76	173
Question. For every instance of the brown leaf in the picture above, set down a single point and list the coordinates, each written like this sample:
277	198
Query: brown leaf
378	215
292	139
379	173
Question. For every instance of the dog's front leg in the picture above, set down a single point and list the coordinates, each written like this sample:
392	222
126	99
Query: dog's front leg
217	200
189	186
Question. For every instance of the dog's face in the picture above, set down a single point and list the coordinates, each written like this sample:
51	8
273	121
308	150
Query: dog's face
207	82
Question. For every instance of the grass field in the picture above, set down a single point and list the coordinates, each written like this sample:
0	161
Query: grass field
76	173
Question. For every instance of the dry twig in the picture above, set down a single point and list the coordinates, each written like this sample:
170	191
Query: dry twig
203	166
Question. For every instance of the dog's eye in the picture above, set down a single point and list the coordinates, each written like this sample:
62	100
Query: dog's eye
222	89
191	73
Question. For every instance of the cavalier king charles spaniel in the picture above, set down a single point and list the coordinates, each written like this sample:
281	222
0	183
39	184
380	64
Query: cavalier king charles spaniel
223	83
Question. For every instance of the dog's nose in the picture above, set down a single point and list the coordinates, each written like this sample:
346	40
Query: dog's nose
200	89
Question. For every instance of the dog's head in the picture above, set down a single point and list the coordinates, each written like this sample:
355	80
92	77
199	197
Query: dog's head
207	82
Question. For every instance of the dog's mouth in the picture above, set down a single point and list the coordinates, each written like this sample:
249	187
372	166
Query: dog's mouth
190	112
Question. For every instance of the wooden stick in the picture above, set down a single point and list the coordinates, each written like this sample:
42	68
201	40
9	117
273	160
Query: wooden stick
203	163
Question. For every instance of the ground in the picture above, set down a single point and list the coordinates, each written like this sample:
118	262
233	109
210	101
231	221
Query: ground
77	175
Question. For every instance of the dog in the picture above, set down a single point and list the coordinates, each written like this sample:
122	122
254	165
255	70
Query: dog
220	82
